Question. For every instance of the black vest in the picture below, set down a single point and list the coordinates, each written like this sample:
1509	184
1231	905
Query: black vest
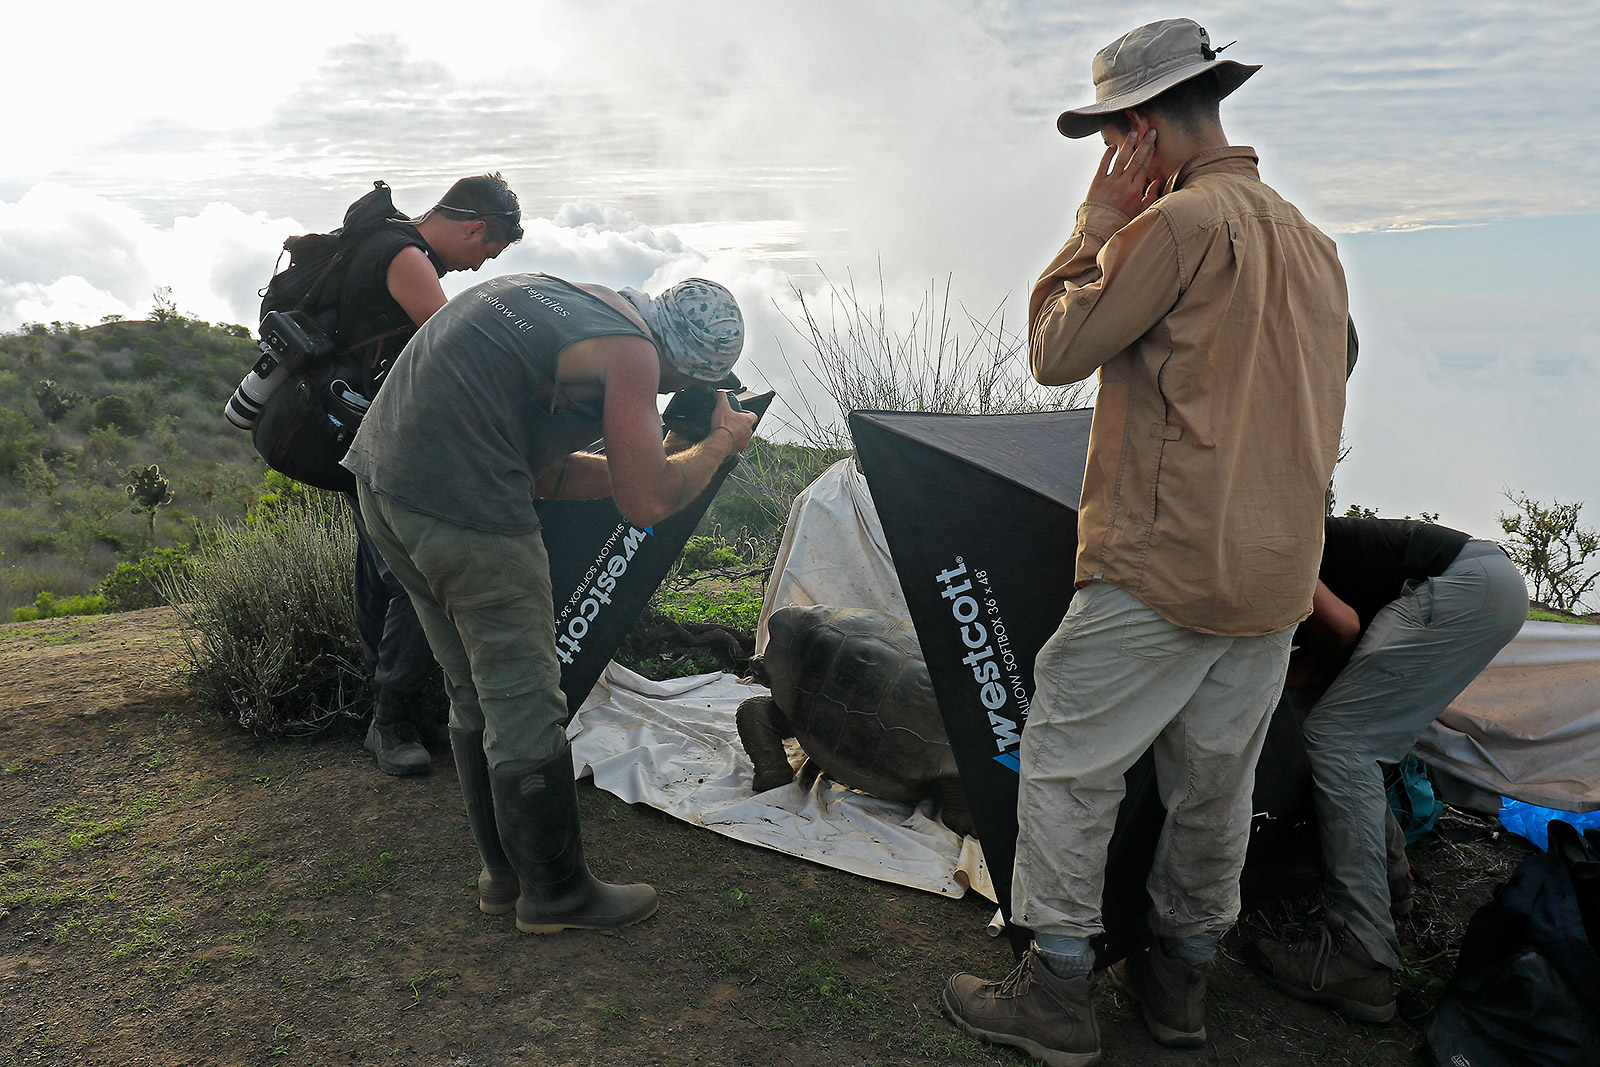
366	309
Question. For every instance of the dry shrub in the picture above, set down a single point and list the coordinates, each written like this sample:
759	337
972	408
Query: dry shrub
269	628
945	360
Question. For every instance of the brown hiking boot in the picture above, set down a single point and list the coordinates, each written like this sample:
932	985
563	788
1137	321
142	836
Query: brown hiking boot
1171	993
1048	1017
1329	968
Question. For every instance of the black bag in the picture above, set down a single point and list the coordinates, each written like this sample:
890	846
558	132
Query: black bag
1527	985
306	425
312	280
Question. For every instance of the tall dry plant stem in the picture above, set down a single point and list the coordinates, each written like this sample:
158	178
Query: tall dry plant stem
946	359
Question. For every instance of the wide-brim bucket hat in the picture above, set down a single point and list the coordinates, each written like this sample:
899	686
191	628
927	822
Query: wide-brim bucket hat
1146	62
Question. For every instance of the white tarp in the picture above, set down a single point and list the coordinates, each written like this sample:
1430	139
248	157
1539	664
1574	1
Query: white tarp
1528	727
673	745
833	552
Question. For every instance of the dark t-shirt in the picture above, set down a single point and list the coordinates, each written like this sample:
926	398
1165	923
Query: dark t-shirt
468	420
1367	562
366	309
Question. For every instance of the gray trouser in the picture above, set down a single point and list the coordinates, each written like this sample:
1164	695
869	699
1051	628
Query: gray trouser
1115	679
1419	653
484	601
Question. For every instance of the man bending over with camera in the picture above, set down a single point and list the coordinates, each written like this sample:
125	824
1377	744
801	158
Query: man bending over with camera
484	411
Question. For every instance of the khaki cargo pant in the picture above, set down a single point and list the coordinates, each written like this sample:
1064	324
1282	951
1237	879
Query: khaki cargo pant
484	601
1115	679
1418	654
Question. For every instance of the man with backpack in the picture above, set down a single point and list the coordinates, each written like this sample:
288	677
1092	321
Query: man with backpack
390	287
490	406
333	322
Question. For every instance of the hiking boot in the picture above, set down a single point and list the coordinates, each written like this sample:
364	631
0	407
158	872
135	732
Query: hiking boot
1049	1017
1171	994
397	749
392	736
1329	968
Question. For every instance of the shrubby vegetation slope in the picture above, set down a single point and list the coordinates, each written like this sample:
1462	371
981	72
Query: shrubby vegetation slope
81	408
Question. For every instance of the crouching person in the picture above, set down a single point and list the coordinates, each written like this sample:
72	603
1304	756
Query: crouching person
484	411
1405	616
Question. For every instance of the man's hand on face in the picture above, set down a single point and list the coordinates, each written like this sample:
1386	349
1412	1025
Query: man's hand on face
1123	180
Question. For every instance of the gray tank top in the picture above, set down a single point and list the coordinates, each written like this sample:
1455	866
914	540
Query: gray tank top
470	415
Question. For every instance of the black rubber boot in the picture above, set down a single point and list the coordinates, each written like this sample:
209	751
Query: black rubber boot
392	737
497	882
537	812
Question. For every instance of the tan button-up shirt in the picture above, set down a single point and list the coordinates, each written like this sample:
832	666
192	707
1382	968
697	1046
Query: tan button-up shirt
1217	320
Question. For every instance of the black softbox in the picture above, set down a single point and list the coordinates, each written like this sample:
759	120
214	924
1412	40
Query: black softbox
604	570
980	515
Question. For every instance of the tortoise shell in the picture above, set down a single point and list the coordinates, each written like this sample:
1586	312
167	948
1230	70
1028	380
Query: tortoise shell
856	692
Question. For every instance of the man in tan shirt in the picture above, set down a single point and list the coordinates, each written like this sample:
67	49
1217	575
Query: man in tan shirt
1216	316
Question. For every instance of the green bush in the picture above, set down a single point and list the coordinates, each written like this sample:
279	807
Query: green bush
105	446
116	412
132	586
698	626
281	496
736	605
149	365
706	553
48	607
19	441
270	633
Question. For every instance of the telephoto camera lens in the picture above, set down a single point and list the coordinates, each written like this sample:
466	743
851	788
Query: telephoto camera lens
244	407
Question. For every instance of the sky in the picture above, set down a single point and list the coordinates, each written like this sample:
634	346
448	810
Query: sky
895	148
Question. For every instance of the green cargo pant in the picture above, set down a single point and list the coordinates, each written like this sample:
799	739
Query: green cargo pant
484	601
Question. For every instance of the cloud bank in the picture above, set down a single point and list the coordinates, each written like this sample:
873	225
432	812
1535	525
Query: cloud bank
906	141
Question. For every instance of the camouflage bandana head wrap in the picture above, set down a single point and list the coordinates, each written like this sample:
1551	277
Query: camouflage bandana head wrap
696	325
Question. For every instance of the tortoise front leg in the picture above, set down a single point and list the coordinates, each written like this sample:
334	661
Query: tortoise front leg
762	729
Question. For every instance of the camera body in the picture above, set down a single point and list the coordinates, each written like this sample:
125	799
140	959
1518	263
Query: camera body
688	413
294	337
288	339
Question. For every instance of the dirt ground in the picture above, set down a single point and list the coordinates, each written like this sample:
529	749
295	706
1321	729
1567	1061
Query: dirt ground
173	891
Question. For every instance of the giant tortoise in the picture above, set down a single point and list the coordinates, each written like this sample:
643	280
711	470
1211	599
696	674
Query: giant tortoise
851	686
